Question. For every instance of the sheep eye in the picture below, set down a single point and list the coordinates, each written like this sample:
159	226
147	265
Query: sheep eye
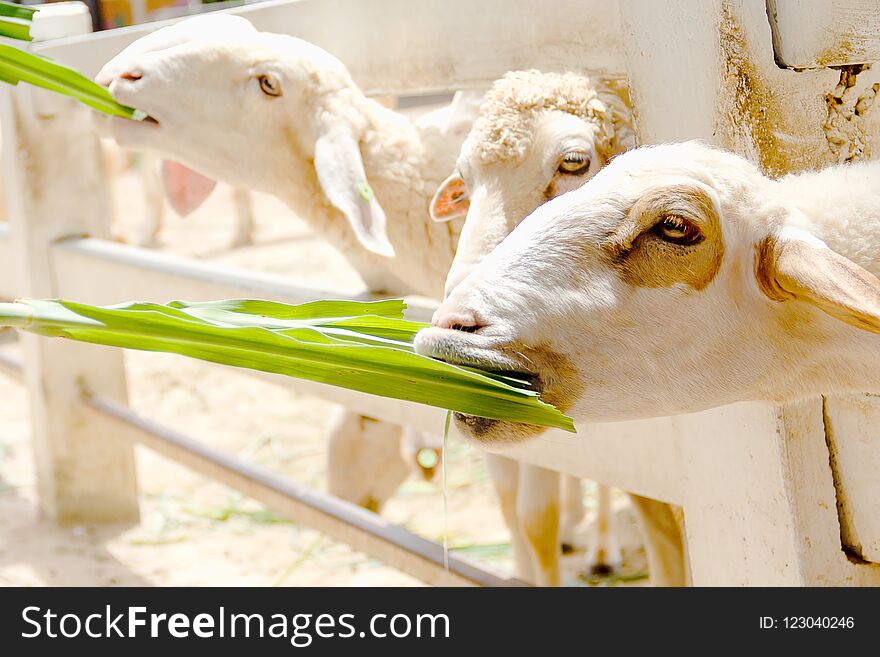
574	163
675	229
269	85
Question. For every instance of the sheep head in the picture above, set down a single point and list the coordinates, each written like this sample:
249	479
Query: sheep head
677	279
257	110
538	135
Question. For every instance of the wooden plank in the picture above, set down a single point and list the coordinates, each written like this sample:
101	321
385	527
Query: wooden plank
397	46
639	457
734	95
338	519
758	492
8	275
853	424
82	475
821	33
760	499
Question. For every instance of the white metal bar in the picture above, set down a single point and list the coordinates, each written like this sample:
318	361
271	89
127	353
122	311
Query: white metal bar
341	520
397	46
338	519
101	272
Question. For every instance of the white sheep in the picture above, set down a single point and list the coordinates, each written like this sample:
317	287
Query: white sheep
186	189
274	113
298	127
538	136
277	114
678	279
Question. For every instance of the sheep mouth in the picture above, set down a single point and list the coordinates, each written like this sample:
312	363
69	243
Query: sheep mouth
142	119
473	350
487	430
478	351
127	132
539	368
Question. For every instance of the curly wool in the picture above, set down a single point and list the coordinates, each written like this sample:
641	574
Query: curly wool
505	129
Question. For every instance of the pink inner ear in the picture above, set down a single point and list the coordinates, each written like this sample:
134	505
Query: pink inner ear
186	190
451	200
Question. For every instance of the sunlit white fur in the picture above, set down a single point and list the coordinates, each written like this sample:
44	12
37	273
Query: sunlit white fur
199	79
655	351
504	186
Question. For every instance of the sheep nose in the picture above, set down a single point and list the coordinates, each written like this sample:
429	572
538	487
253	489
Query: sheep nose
456	319
133	74
106	77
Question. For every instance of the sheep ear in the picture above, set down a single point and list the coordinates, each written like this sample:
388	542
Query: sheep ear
624	138
614	93
804	268
185	189
341	175
451	200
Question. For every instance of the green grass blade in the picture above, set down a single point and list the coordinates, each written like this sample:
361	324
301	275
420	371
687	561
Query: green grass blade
15	28
41	72
391	308
307	342
379	327
13	10
342	357
7	78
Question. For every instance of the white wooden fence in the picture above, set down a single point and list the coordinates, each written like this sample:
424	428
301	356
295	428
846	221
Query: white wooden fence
771	495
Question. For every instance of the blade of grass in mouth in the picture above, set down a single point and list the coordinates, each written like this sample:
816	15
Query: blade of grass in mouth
20	66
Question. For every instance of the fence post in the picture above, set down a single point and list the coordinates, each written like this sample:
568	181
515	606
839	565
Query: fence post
759	493
55	189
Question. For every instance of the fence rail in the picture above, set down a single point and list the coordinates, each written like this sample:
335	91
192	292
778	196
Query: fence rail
397	47
336	518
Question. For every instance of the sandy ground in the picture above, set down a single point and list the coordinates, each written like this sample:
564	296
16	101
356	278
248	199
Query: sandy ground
196	532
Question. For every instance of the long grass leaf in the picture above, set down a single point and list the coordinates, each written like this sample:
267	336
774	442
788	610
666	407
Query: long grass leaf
13	10
15	28
391	308
337	354
16	64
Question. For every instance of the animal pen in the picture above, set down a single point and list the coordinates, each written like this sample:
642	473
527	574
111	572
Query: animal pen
772	495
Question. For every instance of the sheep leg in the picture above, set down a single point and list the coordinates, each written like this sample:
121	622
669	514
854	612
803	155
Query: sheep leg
663	541
572	513
537	506
364	464
244	218
505	478
605	556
